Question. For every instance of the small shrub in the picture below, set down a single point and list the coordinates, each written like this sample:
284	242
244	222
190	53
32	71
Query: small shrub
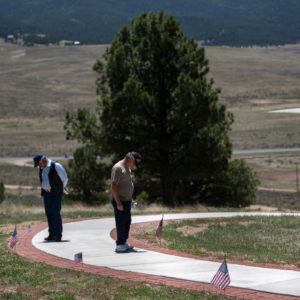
241	185
142	198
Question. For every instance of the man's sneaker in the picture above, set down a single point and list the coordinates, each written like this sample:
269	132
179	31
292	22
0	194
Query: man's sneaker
129	247
49	238
121	248
57	238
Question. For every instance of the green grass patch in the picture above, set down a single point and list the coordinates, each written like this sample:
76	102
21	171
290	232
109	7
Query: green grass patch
258	239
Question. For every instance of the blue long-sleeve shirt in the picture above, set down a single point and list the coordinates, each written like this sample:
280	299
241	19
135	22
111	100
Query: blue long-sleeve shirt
61	172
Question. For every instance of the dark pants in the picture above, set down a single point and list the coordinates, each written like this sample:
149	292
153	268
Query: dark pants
123	221
52	205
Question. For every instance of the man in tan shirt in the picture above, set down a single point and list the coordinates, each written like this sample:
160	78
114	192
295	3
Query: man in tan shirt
122	191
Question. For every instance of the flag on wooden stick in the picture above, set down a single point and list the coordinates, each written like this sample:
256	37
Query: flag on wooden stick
222	278
159	227
13	240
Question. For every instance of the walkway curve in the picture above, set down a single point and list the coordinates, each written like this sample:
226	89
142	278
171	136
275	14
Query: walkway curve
92	237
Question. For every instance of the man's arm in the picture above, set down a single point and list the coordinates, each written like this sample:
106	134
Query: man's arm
61	172
115	193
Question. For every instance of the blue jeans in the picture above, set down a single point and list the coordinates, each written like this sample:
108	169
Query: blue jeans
123	221
52	205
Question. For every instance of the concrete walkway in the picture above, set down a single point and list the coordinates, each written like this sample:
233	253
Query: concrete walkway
92	238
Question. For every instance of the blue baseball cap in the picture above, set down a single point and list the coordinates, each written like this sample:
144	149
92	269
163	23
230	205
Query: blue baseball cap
37	158
137	157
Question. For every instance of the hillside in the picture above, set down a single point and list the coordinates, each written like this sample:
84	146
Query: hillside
38	85
218	22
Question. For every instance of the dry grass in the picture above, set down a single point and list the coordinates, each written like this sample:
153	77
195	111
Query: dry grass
253	82
9	208
276	171
38	85
43	83
256	75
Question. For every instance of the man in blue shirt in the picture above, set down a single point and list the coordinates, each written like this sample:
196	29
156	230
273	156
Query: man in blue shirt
54	179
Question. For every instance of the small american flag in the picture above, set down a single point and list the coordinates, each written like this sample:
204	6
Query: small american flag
13	240
28	228
159	228
222	278
78	257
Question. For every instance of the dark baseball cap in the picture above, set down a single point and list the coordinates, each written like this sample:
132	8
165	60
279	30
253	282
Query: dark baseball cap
137	157
37	158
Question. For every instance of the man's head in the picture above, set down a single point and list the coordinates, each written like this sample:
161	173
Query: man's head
40	160
132	158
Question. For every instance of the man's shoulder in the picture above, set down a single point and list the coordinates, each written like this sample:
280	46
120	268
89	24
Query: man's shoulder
57	165
118	165
118	168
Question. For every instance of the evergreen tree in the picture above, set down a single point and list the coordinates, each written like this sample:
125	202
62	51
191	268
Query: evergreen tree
87	173
87	177
156	99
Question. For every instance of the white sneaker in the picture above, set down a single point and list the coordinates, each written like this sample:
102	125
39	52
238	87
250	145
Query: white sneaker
121	248
129	247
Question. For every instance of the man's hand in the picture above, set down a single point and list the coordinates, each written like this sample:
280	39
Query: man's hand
120	206
133	204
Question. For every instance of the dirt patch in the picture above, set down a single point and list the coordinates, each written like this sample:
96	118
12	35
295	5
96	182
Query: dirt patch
277	176
192	230
201	228
264	208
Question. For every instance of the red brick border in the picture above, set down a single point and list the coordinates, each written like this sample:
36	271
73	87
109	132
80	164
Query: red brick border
25	249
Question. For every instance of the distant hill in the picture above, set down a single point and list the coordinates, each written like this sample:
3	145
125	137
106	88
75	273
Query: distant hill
217	22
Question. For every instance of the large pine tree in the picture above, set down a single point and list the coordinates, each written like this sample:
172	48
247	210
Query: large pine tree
157	99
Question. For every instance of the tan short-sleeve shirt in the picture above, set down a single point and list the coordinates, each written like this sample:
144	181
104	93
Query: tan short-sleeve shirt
123	177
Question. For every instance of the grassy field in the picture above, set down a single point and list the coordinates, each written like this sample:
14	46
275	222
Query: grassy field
257	239
283	201
255	81
275	170
38	85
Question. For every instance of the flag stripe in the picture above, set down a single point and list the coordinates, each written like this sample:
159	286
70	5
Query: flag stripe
223	282
222	278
